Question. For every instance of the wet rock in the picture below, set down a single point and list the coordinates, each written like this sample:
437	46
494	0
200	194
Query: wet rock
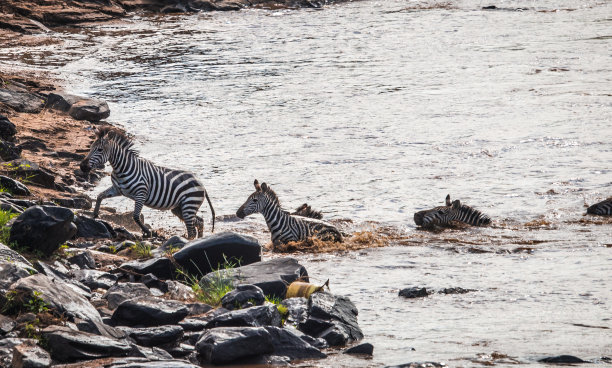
7	325
287	343
174	243
193	324
414	292
361	349
21	101
161	267
227	344
179	291
562	359
155	336
204	255
151	281
119	293
22	168
9	151
333	318
149	311
94	279
67	345
243	296
14	186
263	315
455	290
271	276
7	129
419	365
43	228
30	355
61	101
89	109
297	310
83	260
92	228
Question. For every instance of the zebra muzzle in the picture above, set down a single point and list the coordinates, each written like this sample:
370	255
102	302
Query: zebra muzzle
85	166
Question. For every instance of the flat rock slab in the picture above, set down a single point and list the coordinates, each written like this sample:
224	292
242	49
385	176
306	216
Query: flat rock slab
121	292
226	344
271	276
67	345
30	355
155	336
263	315
21	101
286	343
149	311
156	364
9	273
94	279
161	267
14	186
205	255
89	109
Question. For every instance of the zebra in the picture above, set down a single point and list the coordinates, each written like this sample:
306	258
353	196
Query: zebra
306	211
455	211
285	227
603	208
146	183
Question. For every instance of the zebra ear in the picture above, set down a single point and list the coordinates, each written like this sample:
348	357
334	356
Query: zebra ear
448	201
264	187
456	204
257	187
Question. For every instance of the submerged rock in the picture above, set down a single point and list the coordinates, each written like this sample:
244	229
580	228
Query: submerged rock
287	343
414	292
227	344
67	345
361	349
562	359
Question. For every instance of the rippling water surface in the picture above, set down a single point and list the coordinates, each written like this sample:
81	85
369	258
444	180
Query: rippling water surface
370	111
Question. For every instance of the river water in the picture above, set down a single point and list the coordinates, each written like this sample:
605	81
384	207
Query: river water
370	111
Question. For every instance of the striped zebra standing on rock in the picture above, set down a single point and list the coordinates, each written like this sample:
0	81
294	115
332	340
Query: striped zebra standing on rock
445	215
603	208
146	183
284	226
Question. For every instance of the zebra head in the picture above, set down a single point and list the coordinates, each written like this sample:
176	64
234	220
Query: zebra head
256	201
453	211
98	153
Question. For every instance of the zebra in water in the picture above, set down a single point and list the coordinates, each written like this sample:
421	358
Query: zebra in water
306	211
284	226
146	183
603	208
455	211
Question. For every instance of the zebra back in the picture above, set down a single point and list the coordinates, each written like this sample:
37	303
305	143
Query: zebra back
603	208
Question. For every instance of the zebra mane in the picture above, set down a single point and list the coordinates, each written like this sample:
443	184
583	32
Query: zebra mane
118	136
272	196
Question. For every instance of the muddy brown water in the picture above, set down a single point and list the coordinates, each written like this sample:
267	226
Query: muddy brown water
370	111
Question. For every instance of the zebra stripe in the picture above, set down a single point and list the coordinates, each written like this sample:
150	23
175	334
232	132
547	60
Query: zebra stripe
146	183
445	215
283	226
603	208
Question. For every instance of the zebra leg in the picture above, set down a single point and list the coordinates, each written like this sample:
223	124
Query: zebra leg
199	223
139	202
108	193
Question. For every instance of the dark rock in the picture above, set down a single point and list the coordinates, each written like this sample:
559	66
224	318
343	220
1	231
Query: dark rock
205	255
156	364
333	318
9	207
455	290
150	353
83	260
287	343
297	310
155	336
9	273
227	344
243	296
414	292
179	291
174	243
94	279
30	355
193	324
9	255
14	186
36	175
151	281
263	315
271	276
21	202
119	293
149	311
92	229
318	343
161	267
562	359
80	203
363	349
181	351
67	345
419	365
21	101
6	325
89	109
61	101
9	151
62	274
200	308
43	228
7	129
33	145
7	346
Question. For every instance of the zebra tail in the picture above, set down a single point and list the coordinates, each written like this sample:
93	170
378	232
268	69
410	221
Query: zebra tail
211	210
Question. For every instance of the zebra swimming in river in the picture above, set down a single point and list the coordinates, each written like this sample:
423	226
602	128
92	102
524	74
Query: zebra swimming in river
285	227
603	208
146	183
445	215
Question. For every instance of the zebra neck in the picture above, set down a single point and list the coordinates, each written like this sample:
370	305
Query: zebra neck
120	160
274	215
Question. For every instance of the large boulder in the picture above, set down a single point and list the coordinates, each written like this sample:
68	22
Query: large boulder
149	311
155	336
263	315
36	175
21	101
227	344
68	345
287	343
43	228
271	276
7	129
89	109
13	186
92	229
30	355
61	101
121	292
205	255
333	318
161	267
